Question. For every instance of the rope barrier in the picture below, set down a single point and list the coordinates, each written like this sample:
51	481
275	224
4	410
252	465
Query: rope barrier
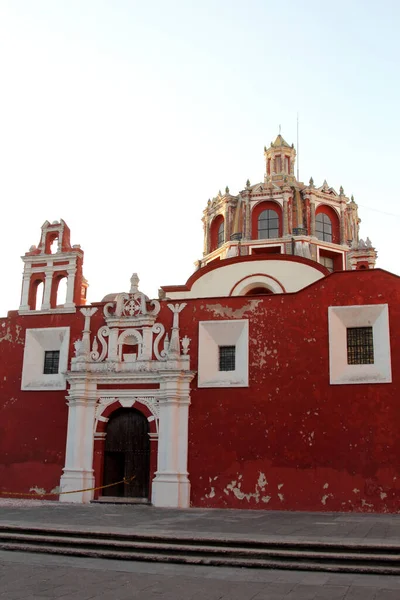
93	489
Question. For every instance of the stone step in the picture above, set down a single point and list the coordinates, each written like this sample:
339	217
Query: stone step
164	546
207	550
268	563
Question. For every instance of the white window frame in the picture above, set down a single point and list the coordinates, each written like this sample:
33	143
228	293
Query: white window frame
213	334
367	315
37	341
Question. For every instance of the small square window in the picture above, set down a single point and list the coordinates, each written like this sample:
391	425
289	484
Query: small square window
227	355
360	346
51	361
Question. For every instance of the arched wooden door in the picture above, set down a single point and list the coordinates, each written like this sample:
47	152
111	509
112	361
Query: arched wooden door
127	454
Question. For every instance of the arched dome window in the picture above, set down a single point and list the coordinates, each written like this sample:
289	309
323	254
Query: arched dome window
327	225
268	224
323	227
217	233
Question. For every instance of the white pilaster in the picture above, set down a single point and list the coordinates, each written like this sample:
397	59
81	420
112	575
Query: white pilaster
25	290
78	470
69	303
47	289
171	486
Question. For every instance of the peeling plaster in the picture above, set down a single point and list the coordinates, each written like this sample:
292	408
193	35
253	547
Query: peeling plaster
235	486
325	498
7	336
226	311
39	491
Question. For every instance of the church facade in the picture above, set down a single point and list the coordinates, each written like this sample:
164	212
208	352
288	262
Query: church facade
268	380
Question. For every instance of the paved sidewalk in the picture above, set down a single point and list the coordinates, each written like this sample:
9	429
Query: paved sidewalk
246	524
38	577
42	577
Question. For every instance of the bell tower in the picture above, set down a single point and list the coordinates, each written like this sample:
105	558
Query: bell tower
53	260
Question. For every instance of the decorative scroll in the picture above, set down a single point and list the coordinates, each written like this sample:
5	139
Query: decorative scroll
160	330
101	334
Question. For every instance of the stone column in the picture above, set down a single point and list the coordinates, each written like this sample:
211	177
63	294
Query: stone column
312	219
78	472
206	236
171	486
343	236
285	224
227	225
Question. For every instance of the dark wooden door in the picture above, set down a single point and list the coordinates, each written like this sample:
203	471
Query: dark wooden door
127	454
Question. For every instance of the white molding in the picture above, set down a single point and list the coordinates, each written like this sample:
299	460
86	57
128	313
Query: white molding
254	281
213	334
253	244
368	315
37	341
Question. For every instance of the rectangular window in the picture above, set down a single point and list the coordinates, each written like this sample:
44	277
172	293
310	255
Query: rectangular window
51	360
327	262
360	346
227	355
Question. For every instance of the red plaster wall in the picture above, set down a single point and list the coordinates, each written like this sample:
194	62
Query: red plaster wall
33	424
292	441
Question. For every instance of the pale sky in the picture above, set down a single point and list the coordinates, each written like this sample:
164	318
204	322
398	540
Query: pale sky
124	117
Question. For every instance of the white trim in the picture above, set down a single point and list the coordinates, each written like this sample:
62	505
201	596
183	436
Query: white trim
37	341
331	250
342	317
213	334
253	281
264	245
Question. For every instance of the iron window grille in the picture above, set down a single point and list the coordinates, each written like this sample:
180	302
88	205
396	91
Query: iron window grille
227	358
51	362
323	227
360	346
268	225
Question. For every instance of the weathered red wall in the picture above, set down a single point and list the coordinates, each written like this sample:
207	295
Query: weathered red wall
32	424
290	441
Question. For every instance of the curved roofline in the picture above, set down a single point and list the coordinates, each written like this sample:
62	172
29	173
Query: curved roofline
218	264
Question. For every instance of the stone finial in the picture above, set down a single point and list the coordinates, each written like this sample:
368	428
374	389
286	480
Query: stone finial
265	148
368	243
226	190
248	183
209	201
352	198
341	191
134	284
311	182
219	193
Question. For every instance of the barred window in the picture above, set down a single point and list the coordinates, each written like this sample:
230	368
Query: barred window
51	360
360	346
268	225
323	227
227	356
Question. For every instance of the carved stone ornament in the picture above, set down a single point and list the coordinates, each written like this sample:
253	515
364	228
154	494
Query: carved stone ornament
132	305
185	341
79	348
